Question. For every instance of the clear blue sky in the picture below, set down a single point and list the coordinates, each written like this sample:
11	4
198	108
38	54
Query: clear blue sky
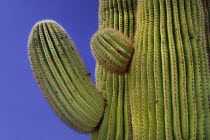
24	113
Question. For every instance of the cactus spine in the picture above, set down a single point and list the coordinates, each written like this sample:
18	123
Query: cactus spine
152	73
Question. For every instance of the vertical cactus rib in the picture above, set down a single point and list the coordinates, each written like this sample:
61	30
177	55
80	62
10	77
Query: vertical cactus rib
119	115
121	14
111	14
98	74
150	74
190	72
202	37
208	10
125	16
127	112
103	87
101	15
206	36
158	74
144	80
182	73
116	15
138	90
107	11
112	124
108	96
173	73
130	18
134	79
135	74
165	72
199	85
138	14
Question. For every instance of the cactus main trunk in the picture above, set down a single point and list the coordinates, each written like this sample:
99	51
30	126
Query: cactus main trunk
169	73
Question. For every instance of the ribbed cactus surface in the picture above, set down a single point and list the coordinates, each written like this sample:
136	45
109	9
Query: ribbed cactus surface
169	75
152	73
63	78
113	50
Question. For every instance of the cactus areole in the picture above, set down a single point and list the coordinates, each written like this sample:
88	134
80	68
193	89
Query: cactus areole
152	72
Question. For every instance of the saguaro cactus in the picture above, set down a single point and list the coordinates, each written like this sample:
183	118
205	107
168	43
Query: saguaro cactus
152	73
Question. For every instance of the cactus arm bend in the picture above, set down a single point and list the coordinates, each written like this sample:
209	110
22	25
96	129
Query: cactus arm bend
63	77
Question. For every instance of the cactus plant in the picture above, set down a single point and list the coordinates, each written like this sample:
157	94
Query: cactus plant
152	72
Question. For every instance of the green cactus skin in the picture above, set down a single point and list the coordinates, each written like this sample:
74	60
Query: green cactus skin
116	124
61	75
112	50
152	70
169	73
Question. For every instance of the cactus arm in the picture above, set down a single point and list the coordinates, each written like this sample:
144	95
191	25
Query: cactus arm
46	88
64	79
112	50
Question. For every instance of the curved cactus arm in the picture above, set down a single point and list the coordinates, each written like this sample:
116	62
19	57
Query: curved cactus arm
113	50
63	77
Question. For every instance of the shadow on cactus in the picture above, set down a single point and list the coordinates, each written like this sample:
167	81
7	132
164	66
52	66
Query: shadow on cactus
152	73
